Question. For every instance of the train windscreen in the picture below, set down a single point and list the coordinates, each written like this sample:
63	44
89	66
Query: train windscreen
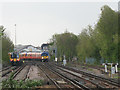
44	54
14	55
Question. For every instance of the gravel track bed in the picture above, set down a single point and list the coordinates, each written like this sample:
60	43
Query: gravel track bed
22	73
62	83
102	83
34	73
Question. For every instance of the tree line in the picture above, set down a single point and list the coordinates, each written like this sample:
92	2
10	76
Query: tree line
98	42
7	45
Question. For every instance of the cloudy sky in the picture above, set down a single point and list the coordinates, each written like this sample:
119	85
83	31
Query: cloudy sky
36	22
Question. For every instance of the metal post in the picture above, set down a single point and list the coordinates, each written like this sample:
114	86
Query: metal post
1	57
15	34
55	51
1	50
105	68
116	69
64	61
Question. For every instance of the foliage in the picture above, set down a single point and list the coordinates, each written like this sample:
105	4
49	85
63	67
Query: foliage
107	27
102	41
87	44
66	44
7	45
2	29
11	83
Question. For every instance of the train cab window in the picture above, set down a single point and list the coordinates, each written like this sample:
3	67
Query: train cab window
17	55
44	54
13	55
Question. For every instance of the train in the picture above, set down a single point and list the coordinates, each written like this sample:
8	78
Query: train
19	58
15	58
45	56
30	56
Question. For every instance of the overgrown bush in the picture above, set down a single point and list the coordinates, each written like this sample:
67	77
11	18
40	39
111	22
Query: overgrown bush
11	83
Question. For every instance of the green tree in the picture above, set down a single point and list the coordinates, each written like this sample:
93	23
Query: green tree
107	27
66	44
2	29
87	46
102	41
7	45
119	35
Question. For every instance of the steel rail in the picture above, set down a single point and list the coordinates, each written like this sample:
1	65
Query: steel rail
73	82
5	73
92	76
55	83
25	77
98	86
3	69
18	71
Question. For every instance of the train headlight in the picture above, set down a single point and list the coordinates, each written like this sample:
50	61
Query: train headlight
42	57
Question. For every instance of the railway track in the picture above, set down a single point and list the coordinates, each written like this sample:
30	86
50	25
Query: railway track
55	83
3	69
19	75
69	84
99	81
72	78
8	70
15	70
81	82
74	82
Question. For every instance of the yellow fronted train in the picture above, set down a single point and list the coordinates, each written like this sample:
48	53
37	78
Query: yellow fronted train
15	58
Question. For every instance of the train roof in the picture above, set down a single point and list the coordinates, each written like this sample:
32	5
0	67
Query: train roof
31	53
13	52
46	52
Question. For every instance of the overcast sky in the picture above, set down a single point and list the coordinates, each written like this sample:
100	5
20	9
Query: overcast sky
38	21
